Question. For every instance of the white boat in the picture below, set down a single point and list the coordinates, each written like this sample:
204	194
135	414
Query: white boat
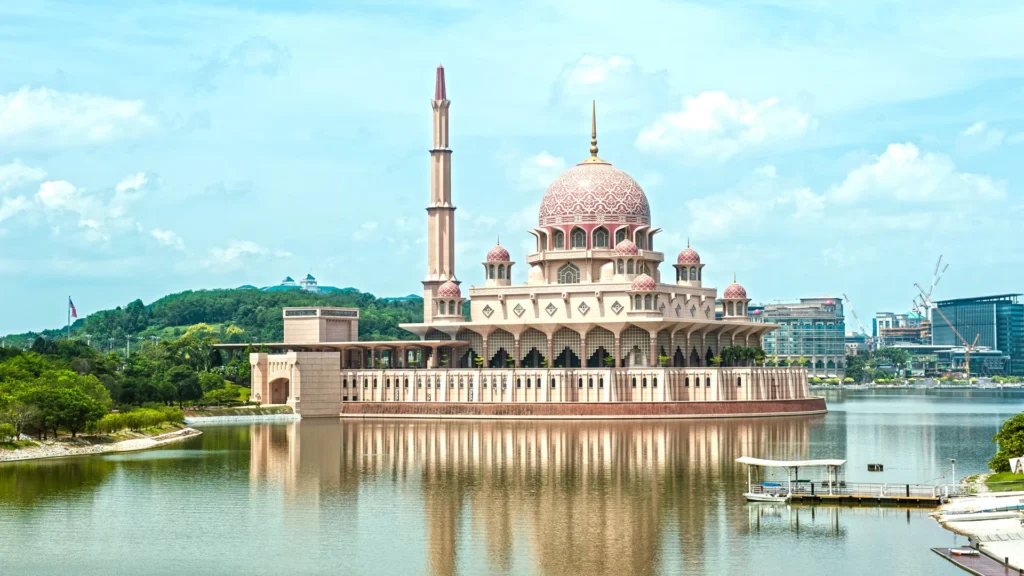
978	516
765	497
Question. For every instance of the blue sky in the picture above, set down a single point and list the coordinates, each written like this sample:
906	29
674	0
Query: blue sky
811	147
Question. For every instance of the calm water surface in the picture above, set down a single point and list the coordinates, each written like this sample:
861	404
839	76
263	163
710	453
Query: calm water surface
479	497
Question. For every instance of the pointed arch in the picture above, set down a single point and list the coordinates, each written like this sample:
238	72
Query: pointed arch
558	240
500	345
569	273
578	238
600	237
600	345
636	346
620	234
533	346
566	348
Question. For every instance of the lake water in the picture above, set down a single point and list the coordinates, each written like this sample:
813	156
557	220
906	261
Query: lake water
493	497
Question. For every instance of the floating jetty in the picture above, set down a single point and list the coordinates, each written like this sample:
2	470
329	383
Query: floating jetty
835	489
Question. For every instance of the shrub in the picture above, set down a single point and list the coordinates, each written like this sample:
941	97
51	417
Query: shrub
7	432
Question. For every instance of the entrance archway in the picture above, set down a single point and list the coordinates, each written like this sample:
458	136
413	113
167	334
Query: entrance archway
279	391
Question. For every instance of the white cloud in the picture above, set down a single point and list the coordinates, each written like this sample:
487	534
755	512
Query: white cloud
131	183
59	195
538	172
46	118
365	232
903	173
237	253
11	206
979	137
713	125
168	238
624	92
18	174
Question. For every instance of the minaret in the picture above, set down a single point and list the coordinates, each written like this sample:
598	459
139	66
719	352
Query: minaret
440	212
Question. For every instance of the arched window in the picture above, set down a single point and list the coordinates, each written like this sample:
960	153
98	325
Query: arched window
542	242
559	238
637	303
655	301
501	271
344	383
451	306
693	273
552	382
490	272
641	240
629	266
387	383
366	383
731	310
580	383
696	381
650	246
569	274
620	235
519	382
634	382
529	382
590	382
601	238
578	238
622	267
406	382
654	382
645	382
600	382
739	381
686	382
647	302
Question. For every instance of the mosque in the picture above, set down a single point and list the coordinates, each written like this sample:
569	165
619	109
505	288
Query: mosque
596	330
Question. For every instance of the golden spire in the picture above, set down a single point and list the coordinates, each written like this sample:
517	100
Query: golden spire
593	137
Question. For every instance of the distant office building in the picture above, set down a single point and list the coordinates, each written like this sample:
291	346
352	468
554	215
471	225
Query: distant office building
935	360
857	344
996	321
813	328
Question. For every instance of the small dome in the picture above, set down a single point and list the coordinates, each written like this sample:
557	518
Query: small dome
626	248
498	254
688	256
449	290
735	291
644	283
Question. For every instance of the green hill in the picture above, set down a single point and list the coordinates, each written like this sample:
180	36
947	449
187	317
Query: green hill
257	313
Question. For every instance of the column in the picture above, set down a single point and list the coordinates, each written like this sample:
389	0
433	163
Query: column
551	350
618	352
515	352
654	351
583	351
486	357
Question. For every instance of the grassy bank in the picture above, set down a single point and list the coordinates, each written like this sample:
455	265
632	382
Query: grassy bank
1005	482
241	411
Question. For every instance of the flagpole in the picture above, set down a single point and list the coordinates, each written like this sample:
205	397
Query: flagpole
69	318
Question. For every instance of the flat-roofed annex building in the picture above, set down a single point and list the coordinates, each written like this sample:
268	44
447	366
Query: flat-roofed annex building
597	320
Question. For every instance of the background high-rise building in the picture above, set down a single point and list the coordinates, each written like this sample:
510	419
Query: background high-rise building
996	321
813	328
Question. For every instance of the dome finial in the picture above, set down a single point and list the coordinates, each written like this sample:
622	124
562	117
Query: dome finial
733	277
687	241
593	136
499	239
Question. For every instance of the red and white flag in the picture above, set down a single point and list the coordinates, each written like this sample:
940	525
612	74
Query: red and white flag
71	308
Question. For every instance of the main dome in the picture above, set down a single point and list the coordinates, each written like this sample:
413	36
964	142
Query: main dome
594	192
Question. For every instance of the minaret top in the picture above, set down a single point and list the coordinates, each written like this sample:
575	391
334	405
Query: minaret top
593	137
439	91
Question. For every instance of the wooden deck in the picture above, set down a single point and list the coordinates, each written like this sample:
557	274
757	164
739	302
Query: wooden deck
981	564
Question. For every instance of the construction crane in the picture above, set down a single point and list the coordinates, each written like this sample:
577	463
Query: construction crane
857	318
924	306
968	347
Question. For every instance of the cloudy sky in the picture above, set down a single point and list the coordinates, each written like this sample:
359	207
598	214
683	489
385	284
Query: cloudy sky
809	146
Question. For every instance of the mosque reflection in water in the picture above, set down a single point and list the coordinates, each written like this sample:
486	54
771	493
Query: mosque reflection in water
597	497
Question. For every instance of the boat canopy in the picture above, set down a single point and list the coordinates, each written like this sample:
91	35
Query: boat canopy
788	463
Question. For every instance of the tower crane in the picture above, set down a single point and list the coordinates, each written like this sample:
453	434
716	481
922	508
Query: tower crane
968	347
924	306
857	318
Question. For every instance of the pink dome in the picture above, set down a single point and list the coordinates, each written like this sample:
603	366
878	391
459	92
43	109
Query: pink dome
594	192
498	254
644	283
449	290
735	291
626	248
688	256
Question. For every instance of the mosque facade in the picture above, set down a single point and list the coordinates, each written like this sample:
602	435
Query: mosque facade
601	328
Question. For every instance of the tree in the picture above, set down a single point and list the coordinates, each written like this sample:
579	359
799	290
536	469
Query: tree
185	384
663	360
67	408
855	367
209	381
716	361
1010	439
801	361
